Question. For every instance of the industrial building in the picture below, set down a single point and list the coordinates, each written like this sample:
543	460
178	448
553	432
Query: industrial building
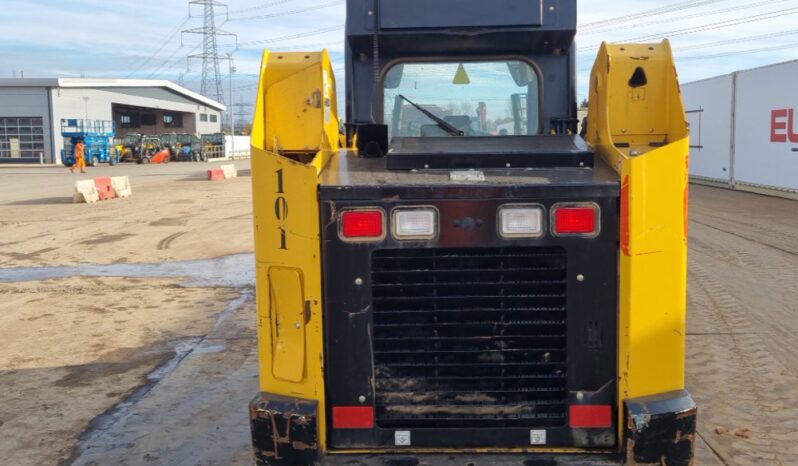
31	112
744	133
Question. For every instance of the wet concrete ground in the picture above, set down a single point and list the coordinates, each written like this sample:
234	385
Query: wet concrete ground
235	271
187	401
195	414
103	305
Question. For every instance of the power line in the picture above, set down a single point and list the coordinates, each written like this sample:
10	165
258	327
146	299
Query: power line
636	25
738	40
648	13
304	47
161	47
290	12
706	27
169	61
737	52
261	7
294	36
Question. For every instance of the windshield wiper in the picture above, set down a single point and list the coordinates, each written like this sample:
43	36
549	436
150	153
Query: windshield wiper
443	124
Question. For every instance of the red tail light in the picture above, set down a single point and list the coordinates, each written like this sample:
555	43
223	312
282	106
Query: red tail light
353	417
578	220
590	416
362	224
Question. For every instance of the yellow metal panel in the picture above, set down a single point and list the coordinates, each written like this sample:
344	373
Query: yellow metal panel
297	107
641	131
294	136
287	236
286	308
297	125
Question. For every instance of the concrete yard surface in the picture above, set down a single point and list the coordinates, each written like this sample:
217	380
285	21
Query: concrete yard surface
128	327
174	213
742	354
80	355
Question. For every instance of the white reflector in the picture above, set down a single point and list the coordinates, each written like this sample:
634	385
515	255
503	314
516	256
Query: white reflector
521	221
415	223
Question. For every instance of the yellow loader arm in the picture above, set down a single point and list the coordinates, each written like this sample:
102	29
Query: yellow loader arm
294	136
636	122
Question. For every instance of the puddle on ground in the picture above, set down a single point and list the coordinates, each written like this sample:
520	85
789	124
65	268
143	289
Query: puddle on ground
101	428
236	271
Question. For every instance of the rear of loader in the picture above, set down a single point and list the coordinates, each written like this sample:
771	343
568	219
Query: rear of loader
470	297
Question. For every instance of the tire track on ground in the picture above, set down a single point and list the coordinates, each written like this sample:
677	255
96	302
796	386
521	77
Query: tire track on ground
166	243
737	382
763	282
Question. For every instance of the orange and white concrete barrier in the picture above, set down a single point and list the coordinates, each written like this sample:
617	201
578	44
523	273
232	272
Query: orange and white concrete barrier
101	189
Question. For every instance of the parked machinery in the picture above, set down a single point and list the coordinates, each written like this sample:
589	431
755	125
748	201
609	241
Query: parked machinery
98	137
213	146
130	147
488	288
188	148
118	147
170	141
152	150
140	148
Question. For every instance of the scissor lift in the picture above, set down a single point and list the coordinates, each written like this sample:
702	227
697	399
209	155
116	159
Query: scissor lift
97	135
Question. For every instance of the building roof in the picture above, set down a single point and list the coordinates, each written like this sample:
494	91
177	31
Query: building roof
77	83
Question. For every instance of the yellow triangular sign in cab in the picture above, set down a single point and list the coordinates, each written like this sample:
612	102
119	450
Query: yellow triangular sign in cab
461	77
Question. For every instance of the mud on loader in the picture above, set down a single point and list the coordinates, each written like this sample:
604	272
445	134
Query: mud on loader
487	288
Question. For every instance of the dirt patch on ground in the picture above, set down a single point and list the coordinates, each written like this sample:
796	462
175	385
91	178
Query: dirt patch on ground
742	354
143	228
70	350
101	239
170	222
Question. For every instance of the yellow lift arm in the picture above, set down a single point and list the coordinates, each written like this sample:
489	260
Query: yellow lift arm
294	136
636	123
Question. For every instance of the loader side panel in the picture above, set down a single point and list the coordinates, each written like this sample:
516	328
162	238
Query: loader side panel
291	146
636	122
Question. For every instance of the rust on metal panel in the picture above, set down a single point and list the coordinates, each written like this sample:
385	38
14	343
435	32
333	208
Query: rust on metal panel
661	430
284	431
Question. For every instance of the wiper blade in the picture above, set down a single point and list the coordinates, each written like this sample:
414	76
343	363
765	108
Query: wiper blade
445	125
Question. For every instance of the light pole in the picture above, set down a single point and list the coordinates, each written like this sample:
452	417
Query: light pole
229	111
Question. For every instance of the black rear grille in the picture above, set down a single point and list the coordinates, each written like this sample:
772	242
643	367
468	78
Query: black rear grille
469	338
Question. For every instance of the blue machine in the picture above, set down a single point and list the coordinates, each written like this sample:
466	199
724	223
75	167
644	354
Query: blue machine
97	135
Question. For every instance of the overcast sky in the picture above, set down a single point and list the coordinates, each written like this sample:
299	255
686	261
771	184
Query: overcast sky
140	38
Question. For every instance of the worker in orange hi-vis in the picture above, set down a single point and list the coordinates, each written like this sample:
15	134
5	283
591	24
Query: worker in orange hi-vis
80	157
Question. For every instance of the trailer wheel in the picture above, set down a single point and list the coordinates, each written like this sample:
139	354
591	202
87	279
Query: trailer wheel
95	161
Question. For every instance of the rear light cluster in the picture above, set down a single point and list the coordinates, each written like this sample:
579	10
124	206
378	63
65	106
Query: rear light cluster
590	416
369	224
362	224
514	221
353	417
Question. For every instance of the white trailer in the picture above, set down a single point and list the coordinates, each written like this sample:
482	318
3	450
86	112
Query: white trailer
708	105
766	133
744	133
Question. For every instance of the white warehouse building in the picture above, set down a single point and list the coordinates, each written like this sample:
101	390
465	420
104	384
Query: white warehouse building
32	111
